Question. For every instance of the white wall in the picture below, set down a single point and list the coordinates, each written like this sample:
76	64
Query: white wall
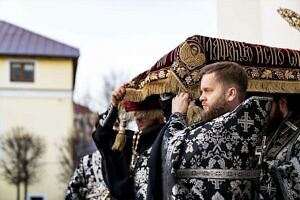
275	30
257	21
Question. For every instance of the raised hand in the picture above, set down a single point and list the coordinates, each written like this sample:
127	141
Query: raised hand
180	103
117	96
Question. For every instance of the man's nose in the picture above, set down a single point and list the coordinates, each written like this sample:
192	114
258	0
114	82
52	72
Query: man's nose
201	98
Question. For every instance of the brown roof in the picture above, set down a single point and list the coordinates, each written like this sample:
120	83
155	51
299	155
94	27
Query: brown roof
80	109
15	40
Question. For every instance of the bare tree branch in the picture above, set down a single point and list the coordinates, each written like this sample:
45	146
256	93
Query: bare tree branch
77	144
111	81
22	151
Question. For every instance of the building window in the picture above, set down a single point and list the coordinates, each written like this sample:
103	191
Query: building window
22	71
35	197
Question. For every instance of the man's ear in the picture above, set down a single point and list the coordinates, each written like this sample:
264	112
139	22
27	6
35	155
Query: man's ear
231	94
283	105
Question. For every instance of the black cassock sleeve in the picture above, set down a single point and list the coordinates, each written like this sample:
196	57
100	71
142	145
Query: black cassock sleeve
115	163
104	135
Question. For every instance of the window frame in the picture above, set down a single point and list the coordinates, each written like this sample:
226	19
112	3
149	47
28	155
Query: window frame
22	77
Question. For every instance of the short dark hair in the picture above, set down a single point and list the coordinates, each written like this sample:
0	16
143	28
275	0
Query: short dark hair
229	73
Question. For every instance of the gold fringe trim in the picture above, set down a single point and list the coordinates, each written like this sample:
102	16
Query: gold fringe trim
169	85
272	86
156	87
173	85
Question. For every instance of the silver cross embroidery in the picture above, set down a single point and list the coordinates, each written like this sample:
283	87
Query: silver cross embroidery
246	122
269	189
216	182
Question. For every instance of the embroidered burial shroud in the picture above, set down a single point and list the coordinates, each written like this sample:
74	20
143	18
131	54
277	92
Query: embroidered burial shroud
270	69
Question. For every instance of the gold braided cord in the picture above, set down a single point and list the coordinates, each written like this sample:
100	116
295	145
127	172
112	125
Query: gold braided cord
291	17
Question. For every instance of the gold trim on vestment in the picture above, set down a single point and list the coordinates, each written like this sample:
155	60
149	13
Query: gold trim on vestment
218	173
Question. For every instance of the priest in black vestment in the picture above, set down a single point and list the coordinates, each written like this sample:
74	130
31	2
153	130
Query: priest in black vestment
125	165
215	159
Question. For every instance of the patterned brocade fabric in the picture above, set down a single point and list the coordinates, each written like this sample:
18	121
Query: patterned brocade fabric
87	181
281	173
215	160
140	175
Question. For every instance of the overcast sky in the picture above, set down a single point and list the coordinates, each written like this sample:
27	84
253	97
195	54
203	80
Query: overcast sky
120	35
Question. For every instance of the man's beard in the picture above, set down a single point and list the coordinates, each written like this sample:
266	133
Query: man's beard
215	110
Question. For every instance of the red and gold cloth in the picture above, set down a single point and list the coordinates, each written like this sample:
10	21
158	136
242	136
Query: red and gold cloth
150	103
270	69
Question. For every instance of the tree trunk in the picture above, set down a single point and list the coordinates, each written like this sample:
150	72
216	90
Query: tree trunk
25	189
19	174
26	179
18	191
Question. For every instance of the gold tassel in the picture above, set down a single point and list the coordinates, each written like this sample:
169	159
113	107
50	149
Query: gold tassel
121	137
193	113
